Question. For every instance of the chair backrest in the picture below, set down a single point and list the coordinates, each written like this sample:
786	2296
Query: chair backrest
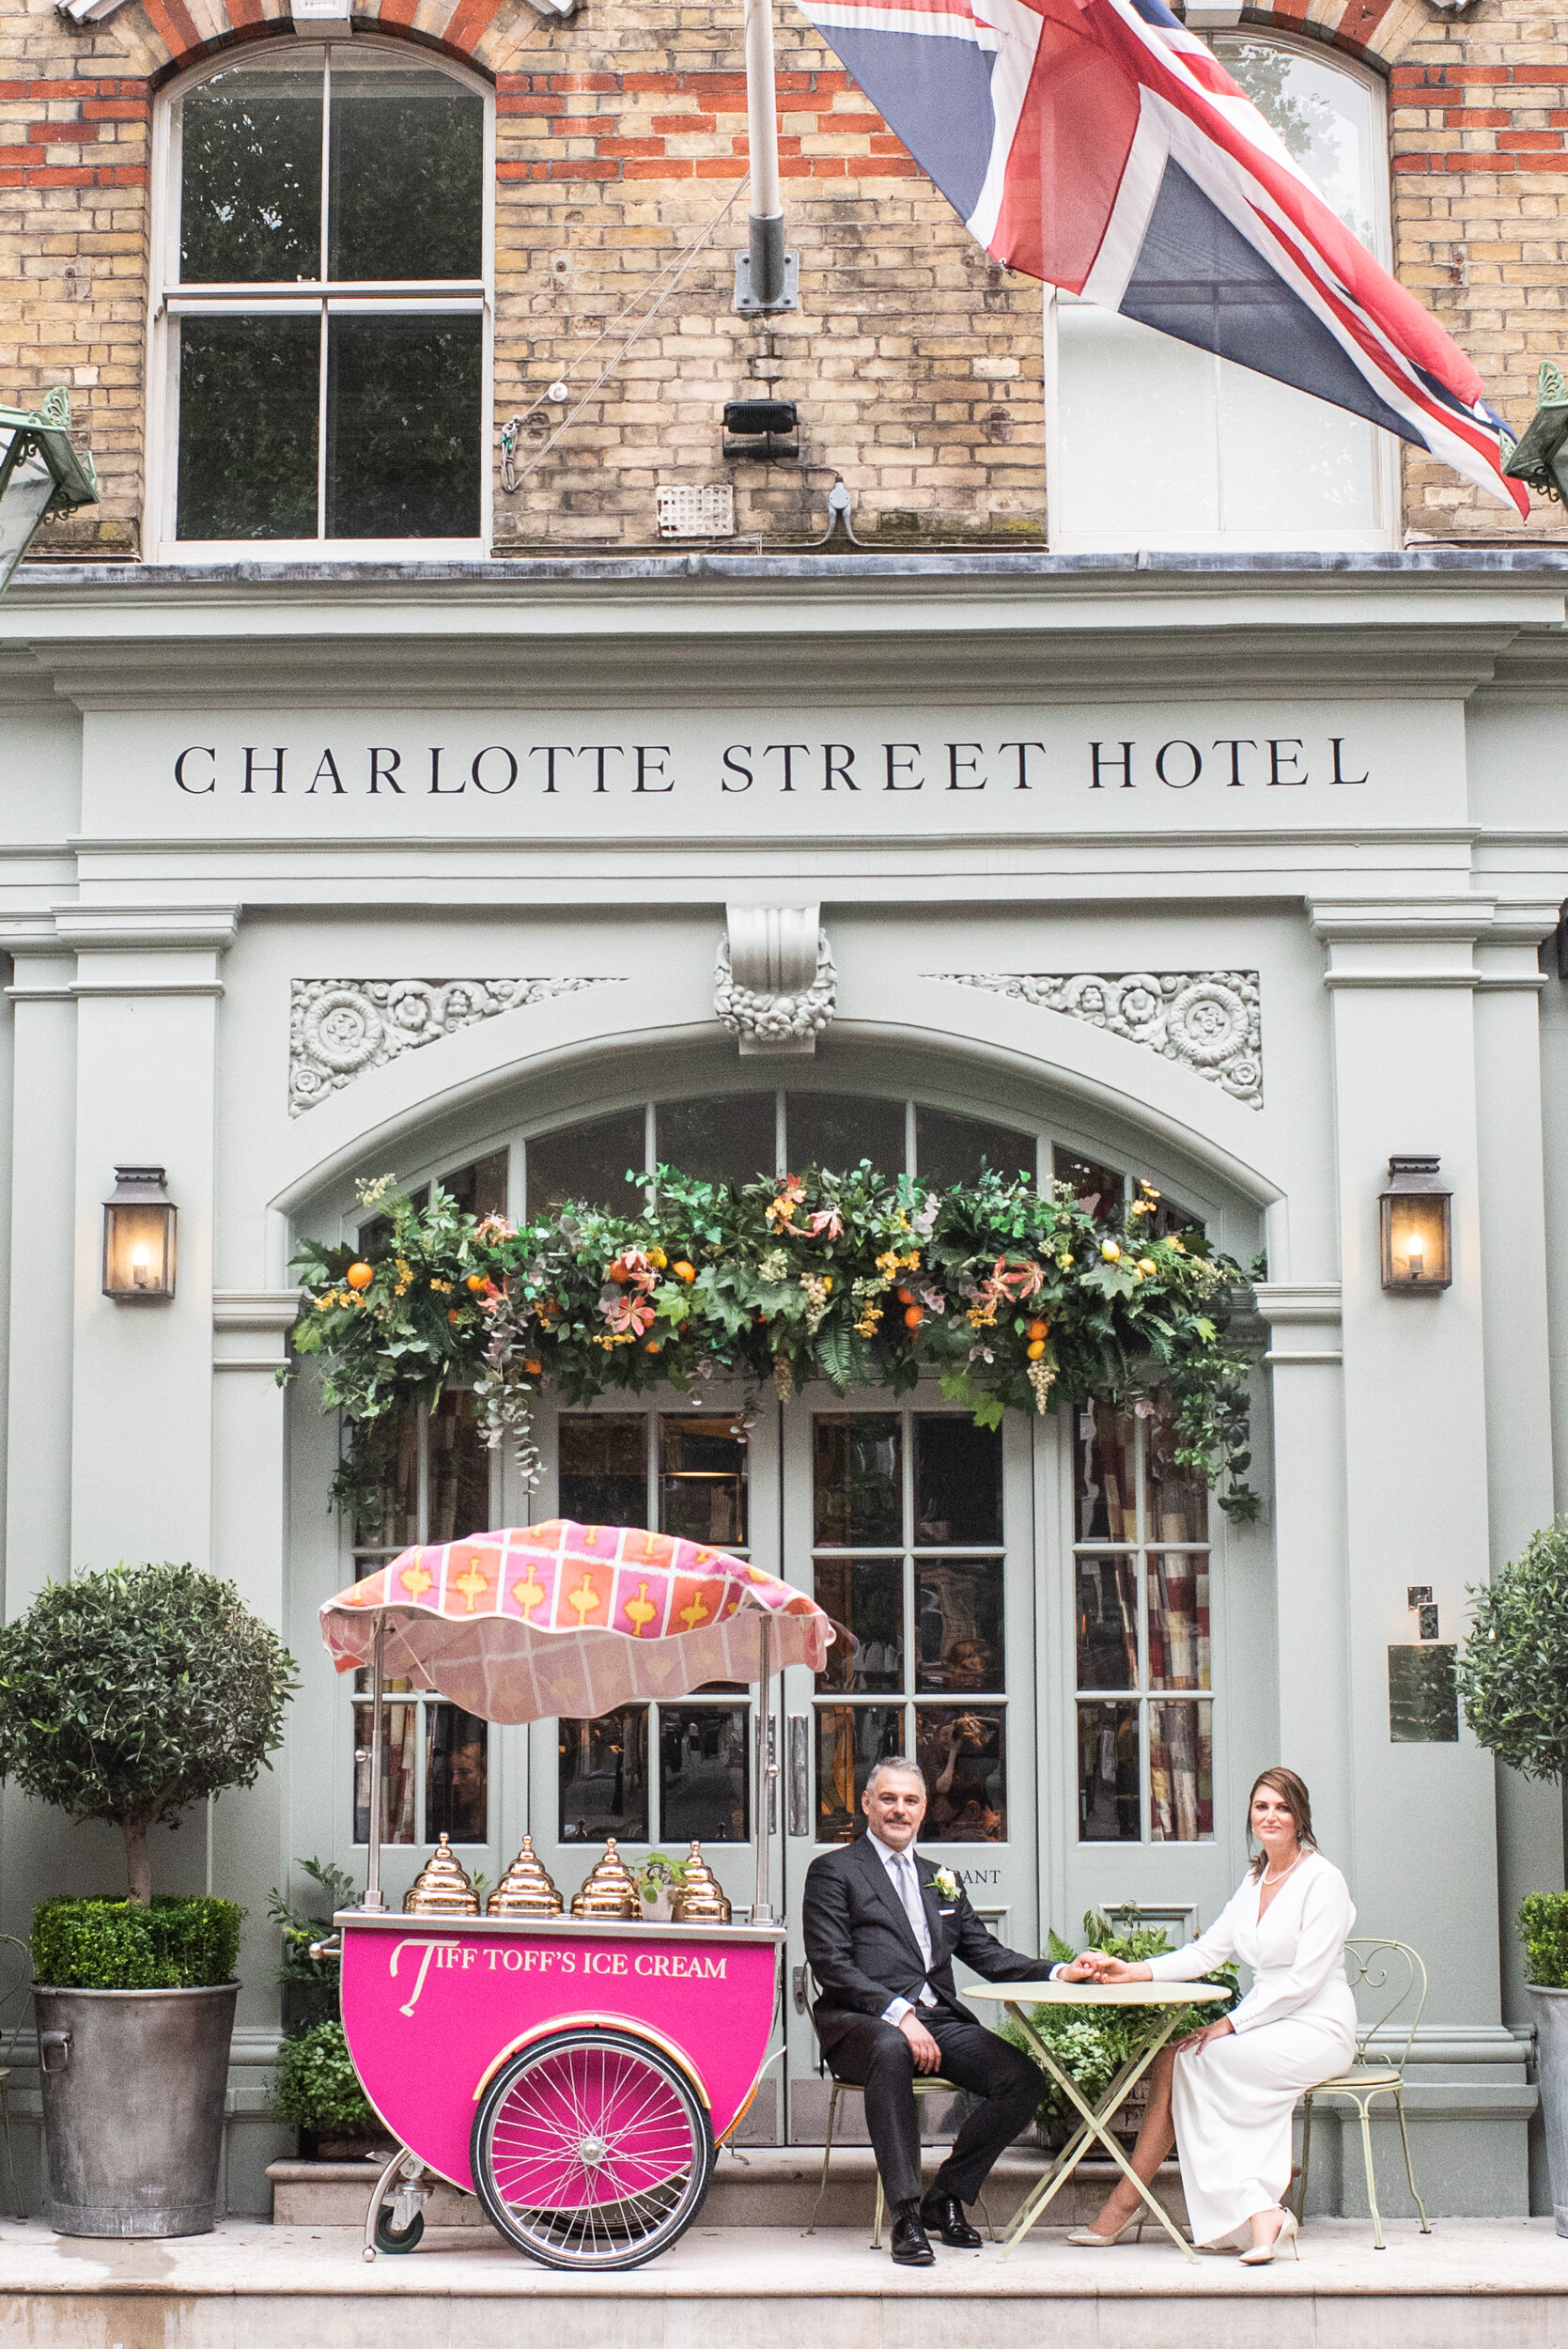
15	1983
1388	1981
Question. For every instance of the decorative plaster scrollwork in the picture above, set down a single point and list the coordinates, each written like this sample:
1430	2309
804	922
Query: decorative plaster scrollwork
1208	1020
775	986
339	1028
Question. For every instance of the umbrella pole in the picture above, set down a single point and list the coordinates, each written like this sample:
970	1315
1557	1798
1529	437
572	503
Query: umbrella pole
762	1908
378	1769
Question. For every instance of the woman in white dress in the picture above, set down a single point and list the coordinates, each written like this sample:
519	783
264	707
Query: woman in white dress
1227	2093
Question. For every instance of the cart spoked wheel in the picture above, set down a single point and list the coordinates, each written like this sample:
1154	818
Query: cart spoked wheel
591	2149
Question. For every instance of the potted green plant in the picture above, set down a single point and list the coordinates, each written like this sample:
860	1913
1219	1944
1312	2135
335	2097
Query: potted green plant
316	2089
127	1696
659	1882
1513	1673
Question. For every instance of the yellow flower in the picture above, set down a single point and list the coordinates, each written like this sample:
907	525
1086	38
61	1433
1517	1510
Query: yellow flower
889	1262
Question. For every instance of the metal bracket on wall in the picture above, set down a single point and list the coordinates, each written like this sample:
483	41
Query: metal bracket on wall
788	299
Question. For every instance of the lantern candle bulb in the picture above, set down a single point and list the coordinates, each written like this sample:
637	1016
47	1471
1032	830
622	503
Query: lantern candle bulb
1415	1257
138	1266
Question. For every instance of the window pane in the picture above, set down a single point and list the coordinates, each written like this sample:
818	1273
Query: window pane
1181	1772
850	1739
602	1469
479	1187
952	1149
704	1773
725	1139
702	1469
1106	1622
964	1757
250	179
1106	365
958	1625
838	1129
388	1516
1097	1189
1177	1502
957	1480
1178	1621
1106	1478
457	1775
604	1779
1107	1773
408	159
248	427
460	1470
864	1596
400	1728
1328	120
858	1479
587	1162
1172	1219
403	426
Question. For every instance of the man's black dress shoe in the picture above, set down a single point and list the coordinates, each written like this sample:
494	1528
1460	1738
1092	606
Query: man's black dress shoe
944	2215
908	2246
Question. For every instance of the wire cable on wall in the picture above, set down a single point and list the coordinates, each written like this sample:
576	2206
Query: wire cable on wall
512	475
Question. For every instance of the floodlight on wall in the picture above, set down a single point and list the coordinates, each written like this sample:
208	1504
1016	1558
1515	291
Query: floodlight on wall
1415	1228
138	1238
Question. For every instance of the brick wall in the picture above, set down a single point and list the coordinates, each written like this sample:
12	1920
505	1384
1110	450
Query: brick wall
916	362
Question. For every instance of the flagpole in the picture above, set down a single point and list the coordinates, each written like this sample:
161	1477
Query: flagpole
766	288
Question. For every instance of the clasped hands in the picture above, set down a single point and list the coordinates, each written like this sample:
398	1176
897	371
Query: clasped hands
1099	1966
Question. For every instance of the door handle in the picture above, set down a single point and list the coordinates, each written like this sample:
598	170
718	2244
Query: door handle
797	1987
800	1776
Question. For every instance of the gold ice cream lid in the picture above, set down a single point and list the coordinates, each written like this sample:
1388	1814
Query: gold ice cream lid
525	1889
609	1889
442	1889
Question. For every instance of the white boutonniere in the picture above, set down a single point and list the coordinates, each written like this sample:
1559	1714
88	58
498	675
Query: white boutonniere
946	1883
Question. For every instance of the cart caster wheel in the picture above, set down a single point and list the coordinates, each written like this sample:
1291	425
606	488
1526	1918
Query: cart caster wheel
591	2150
391	2238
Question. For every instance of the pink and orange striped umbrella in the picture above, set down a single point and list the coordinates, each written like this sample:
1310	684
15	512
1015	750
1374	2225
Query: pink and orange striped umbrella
539	1620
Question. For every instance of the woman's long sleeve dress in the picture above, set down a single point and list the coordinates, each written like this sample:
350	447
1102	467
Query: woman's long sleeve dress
1231	2100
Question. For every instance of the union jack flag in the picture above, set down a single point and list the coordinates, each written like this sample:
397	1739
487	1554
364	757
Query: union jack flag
1101	147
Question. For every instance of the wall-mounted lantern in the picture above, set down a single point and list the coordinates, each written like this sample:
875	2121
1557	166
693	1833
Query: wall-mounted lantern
138	1236
1416	1243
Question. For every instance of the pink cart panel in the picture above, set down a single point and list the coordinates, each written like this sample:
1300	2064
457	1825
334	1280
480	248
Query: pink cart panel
431	2005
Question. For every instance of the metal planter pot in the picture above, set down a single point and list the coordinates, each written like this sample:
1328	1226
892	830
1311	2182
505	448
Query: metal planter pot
133	2090
1551	2048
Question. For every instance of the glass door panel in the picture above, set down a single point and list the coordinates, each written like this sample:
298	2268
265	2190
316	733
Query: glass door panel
912	1528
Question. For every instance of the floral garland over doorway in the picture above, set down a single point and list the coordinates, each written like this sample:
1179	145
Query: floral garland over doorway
1017	1298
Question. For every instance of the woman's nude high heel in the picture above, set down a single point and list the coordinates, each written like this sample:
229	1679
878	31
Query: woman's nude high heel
1086	2239
1262	2253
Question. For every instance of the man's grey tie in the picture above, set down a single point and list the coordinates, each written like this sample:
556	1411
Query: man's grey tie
914	1908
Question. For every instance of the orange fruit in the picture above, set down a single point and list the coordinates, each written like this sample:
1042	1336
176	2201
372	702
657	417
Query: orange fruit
533	1369
617	1271
913	1316
451	1315
359	1276
654	1345
1038	1328
1035	1348
477	1281
682	1271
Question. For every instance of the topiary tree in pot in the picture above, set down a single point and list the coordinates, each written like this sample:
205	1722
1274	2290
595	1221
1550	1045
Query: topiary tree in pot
127	1696
1513	1673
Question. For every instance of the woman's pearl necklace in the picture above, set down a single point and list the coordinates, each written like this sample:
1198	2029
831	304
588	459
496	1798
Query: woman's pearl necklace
1284	1872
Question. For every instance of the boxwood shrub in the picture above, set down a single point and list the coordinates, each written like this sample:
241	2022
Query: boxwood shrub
108	1944
316	2087
1542	1928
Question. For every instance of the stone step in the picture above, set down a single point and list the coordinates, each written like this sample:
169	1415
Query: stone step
1473	2284
759	2186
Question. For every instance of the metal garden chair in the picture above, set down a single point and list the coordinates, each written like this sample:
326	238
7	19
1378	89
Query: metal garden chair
1389	1979
923	2086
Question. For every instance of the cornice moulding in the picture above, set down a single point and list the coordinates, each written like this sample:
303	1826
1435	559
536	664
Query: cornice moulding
1399	921
255	1308
1285	1302
124	929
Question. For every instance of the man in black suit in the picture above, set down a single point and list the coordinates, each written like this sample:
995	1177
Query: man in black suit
881	1934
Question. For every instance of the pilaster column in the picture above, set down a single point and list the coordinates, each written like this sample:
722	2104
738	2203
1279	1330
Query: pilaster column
1403	976
1305	1361
147	988
42	1254
1519	1452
